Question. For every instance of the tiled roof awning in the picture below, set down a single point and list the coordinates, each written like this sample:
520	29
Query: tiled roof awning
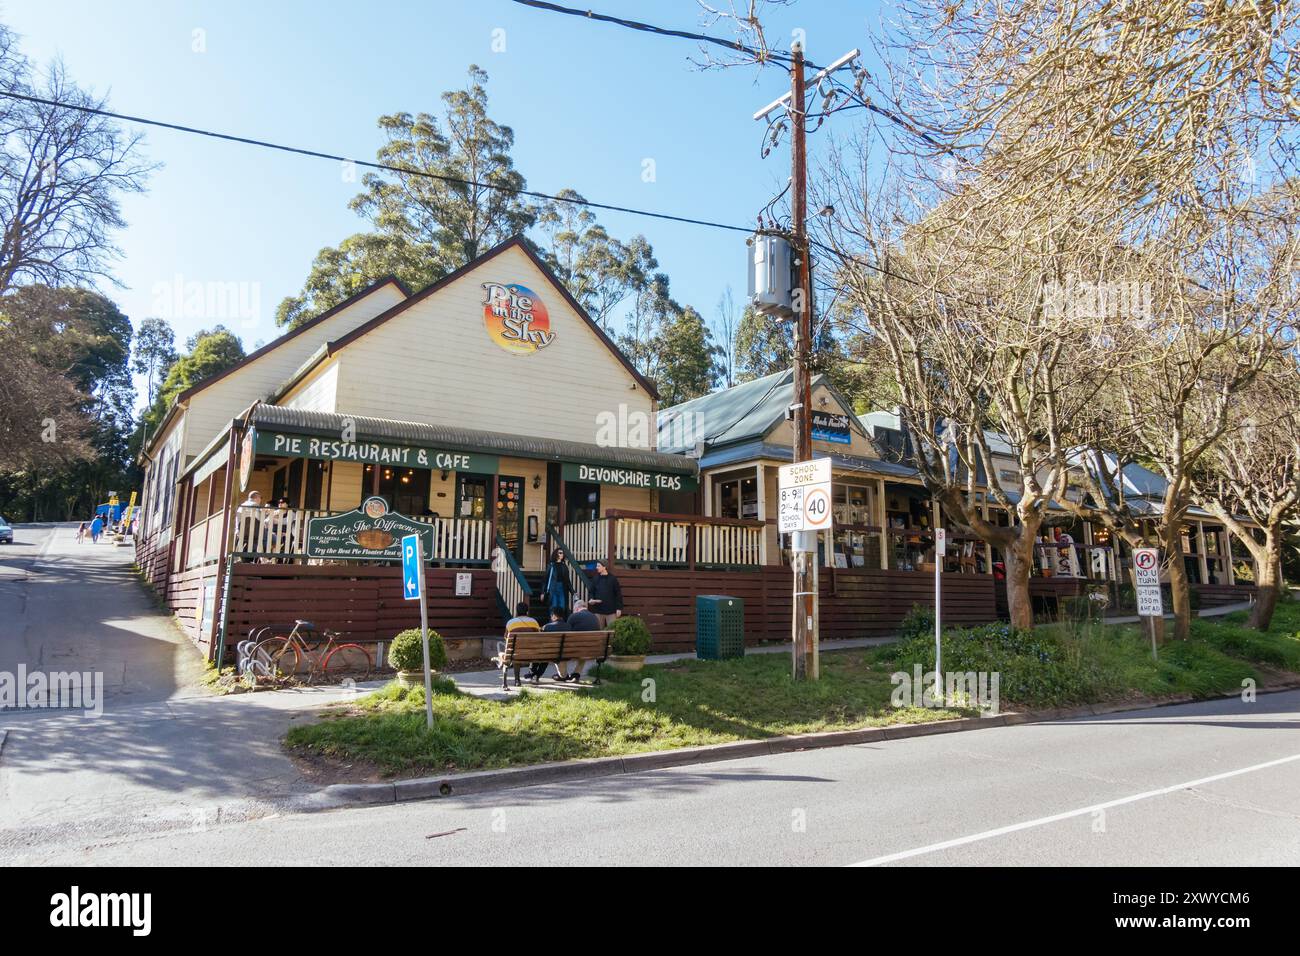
359	429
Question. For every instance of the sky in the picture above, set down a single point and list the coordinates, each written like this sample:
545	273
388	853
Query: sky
589	104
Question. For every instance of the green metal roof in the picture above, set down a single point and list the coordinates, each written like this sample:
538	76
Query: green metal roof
741	413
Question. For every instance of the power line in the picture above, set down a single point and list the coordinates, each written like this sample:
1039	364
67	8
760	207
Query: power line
760	56
385	167
735	45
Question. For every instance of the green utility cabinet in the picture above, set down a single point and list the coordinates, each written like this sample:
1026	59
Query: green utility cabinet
719	627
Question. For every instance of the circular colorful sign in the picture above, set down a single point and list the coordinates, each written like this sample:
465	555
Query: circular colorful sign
515	318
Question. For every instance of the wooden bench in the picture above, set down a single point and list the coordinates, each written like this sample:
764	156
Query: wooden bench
550	647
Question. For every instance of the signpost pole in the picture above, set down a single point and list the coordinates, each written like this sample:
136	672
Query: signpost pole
413	590
424	637
940	549
1146	577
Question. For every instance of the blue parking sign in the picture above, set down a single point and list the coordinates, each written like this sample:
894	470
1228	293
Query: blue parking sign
412	579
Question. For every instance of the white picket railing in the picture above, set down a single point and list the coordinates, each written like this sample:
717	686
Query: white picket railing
666	541
271	532
730	545
204	541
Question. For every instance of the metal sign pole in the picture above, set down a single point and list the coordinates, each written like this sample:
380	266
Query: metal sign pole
940	549
413	590
424	637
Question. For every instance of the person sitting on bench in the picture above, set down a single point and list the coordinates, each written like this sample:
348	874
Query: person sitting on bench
580	620
556	623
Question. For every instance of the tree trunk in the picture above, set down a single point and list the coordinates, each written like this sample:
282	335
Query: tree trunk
1019	558
1180	590
1270	580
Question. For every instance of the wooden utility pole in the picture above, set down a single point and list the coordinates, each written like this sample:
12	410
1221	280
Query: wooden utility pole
804	625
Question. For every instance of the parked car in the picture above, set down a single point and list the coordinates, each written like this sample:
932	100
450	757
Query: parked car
6	531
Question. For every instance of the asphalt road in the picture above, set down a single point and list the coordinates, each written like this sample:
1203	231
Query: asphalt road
168	776
1197	785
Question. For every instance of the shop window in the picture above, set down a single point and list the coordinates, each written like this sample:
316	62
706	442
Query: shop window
738	498
472	496
313	492
582	502
405	489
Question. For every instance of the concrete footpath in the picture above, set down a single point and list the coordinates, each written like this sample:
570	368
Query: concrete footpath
164	754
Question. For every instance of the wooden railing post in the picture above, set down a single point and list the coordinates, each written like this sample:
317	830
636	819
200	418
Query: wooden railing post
612	551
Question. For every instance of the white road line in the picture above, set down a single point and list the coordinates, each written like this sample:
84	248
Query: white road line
1043	821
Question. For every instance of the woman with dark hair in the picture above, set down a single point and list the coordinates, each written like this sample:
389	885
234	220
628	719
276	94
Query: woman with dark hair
558	586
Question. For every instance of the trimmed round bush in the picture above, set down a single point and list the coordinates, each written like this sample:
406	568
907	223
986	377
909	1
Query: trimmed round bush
631	637
405	652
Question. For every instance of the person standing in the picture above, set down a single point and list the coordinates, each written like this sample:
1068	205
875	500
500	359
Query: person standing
558	586
606	600
96	529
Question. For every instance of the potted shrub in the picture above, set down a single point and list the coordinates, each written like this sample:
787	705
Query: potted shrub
629	644
406	655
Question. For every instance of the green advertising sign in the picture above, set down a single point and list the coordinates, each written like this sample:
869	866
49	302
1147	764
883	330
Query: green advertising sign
631	477
372	453
371	533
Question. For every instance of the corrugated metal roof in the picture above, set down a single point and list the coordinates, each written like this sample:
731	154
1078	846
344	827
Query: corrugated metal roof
749	451
467	439
741	413
748	410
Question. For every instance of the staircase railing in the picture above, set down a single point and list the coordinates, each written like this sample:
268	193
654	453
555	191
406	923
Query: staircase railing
512	586
578	576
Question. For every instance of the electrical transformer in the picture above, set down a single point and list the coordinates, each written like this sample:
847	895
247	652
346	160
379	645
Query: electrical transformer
771	275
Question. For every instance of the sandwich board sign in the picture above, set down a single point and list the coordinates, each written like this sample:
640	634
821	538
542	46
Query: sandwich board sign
804	496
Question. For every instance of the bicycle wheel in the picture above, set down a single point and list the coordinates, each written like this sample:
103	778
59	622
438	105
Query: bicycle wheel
280	654
347	660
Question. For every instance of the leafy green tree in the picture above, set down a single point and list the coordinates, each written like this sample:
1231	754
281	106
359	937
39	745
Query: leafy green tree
461	196
600	271
765	345
66	400
670	344
209	353
689	365
154	351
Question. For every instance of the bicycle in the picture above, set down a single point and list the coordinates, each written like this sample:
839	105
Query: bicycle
286	655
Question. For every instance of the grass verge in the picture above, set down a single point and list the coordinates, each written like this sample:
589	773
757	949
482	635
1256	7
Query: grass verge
689	703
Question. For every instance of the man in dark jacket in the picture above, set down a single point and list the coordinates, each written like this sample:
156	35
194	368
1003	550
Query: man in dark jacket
606	599
580	620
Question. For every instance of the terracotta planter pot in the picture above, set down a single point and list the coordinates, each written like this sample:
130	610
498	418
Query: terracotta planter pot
626	662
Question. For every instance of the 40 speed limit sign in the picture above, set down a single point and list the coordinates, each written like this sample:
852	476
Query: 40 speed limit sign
804	499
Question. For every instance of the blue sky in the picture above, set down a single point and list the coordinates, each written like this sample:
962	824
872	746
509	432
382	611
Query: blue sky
588	104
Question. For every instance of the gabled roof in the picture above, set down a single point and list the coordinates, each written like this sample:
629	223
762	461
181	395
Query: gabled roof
187	394
295	332
743	412
517	241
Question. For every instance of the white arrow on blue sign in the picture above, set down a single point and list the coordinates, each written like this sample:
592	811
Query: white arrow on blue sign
412	579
